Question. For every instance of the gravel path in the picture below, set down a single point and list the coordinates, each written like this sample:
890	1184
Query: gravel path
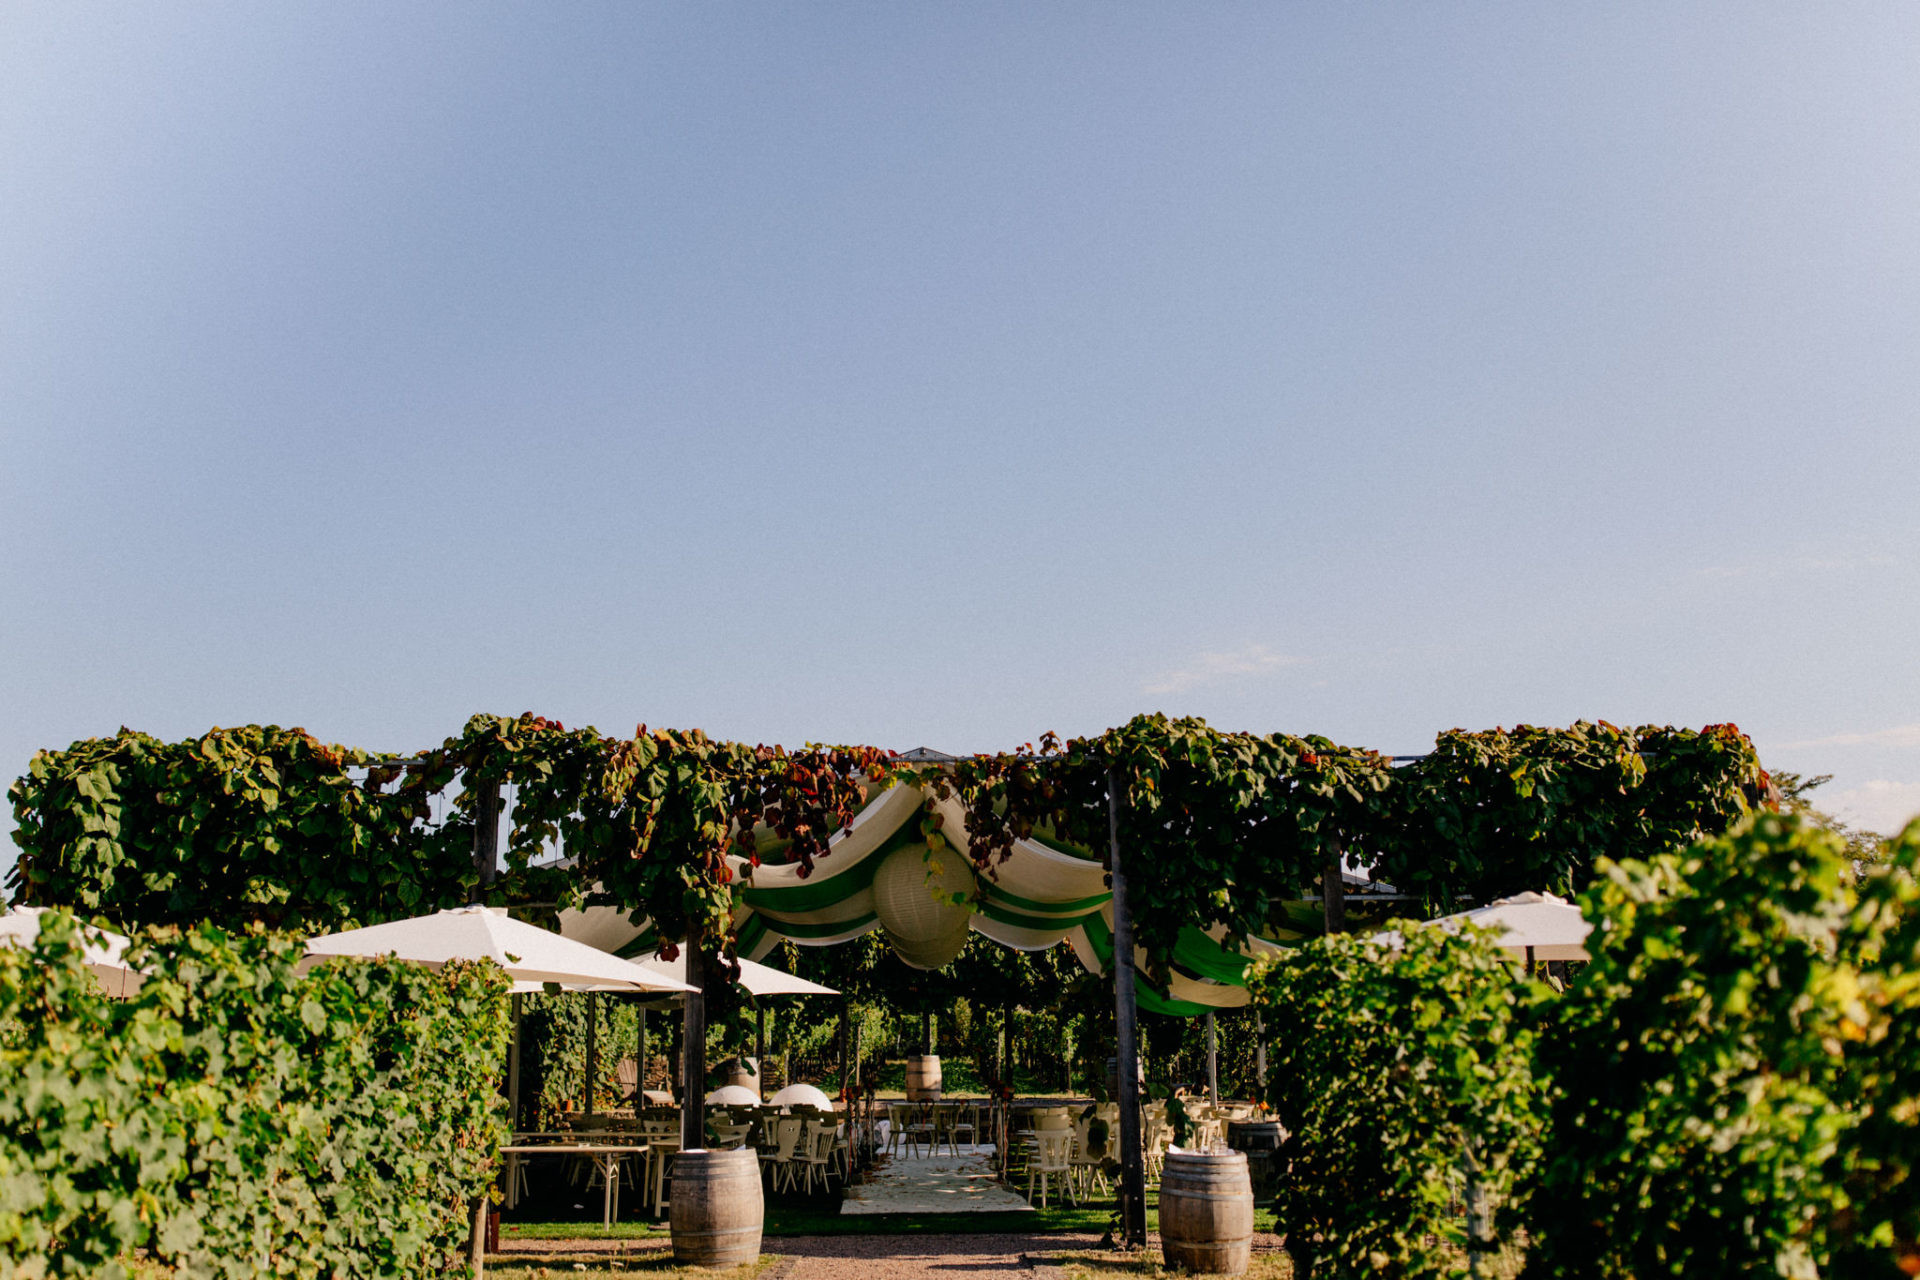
957	1257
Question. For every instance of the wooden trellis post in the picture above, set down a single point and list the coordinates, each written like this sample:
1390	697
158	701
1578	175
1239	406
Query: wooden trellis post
693	1052
1133	1172
1333	898
486	858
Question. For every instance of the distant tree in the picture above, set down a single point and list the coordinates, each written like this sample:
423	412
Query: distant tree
1865	849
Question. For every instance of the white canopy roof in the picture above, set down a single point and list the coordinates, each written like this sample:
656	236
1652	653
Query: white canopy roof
1551	928
530	955
103	952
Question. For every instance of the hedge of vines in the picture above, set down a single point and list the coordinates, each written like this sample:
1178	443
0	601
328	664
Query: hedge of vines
1219	828
235	1120
1730	1088
1402	1079
1735	1079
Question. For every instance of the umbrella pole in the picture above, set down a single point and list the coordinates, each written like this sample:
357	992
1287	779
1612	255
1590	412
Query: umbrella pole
1260	1053
1213	1061
513	1071
760	1051
640	1056
846	1054
593	1051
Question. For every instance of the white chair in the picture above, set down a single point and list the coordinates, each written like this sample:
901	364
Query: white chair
1156	1140
1089	1158
1050	1160
817	1161
778	1162
662	1137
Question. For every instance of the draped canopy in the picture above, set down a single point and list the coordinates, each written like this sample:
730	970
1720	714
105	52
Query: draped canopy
1045	893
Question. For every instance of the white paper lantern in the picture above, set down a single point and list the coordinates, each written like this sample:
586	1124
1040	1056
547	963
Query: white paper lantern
913	891
937	954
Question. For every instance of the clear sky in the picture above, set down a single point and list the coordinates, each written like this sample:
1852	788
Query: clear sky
922	374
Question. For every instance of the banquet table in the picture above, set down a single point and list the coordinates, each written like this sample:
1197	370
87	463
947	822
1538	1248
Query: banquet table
606	1155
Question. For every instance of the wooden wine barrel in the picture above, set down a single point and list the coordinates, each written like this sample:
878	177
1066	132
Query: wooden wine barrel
1260	1139
716	1210
1206	1213
923	1078
1113	1077
736	1072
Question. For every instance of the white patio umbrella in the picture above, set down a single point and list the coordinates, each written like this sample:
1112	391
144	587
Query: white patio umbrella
102	954
733	1095
1538	925
804	1095
530	955
758	979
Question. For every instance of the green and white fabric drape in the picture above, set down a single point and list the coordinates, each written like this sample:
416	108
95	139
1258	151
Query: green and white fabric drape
1042	895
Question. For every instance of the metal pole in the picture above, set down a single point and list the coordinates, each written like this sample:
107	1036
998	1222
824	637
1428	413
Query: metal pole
1260	1053
846	1058
693	1054
1213	1061
593	1048
513	1071
1006	1045
640	1056
1133	1173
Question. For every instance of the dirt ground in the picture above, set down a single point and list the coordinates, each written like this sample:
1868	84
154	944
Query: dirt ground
1049	1256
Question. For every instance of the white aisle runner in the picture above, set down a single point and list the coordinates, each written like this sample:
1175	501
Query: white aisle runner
935	1184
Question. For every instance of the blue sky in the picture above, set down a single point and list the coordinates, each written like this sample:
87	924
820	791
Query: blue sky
946	374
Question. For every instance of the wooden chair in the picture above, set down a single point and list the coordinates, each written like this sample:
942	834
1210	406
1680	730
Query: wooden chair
897	1115
965	1119
940	1116
919	1128
728	1136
